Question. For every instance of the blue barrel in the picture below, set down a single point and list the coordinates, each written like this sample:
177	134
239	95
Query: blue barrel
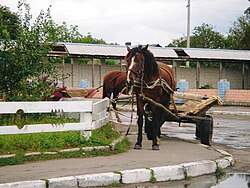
182	86
84	84
223	85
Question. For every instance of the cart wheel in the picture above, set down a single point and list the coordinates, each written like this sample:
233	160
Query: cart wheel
206	131
197	131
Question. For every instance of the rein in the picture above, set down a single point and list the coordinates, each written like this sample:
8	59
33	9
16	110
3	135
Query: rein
151	85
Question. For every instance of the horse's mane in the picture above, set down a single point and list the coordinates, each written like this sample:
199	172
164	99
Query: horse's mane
150	65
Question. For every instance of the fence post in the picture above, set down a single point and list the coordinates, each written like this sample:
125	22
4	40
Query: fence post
86	117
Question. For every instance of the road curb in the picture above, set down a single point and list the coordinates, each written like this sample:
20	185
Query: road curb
152	174
229	113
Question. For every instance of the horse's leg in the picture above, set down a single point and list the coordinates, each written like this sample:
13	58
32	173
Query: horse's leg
156	130
115	109
138	144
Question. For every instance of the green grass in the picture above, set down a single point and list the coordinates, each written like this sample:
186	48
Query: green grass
19	159
36	118
41	142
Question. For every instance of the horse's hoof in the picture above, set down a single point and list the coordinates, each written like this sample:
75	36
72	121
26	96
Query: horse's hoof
158	140
156	147
137	146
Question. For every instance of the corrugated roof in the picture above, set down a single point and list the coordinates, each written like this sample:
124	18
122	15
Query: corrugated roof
95	49
218	54
119	51
163	52
113	50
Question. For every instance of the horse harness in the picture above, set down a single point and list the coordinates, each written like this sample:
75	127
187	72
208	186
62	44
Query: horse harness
151	85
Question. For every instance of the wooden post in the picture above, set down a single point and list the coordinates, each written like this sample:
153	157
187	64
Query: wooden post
174	67
220	73
120	64
93	70
72	72
86	117
63	67
100	74
243	75
198	67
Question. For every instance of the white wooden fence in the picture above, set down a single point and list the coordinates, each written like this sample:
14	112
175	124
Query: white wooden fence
93	114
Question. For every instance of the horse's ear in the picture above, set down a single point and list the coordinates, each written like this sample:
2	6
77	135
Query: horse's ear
128	49
145	48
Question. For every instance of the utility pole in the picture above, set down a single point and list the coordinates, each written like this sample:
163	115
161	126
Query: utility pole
188	28
188	24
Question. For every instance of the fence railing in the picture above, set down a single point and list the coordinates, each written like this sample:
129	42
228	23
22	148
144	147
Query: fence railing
93	114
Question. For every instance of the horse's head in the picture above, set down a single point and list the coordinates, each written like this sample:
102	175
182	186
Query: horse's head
135	59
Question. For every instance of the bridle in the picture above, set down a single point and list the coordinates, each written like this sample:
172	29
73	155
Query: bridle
139	73
139	82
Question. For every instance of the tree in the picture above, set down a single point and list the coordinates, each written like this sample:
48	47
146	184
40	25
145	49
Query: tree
22	55
239	33
61	33
203	36
9	24
89	39
180	42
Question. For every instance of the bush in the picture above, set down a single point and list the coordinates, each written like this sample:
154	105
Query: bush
207	86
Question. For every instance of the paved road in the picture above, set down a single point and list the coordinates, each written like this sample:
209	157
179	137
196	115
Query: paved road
229	130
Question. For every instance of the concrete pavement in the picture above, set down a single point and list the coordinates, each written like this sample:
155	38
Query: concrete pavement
173	152
175	160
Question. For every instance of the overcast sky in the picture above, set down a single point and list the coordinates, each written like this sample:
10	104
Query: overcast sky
138	21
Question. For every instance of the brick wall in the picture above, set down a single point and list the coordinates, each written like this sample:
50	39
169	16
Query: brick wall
232	95
207	92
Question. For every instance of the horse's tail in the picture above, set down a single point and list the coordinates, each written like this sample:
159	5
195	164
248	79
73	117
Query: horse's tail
104	92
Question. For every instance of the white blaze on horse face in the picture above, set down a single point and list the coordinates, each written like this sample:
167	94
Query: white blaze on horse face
130	67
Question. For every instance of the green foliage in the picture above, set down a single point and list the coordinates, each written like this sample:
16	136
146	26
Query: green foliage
203	36
180	42
39	142
22	59
122	146
104	135
110	62
152	178
207	86
220	172
9	24
83	60
89	39
239	33
61	33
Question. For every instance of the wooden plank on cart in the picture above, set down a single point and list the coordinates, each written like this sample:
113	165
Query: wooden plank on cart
205	105
192	97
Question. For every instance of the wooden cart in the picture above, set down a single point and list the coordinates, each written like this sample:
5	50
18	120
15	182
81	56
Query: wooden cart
193	110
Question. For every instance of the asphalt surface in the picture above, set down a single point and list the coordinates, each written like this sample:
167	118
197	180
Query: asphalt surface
172	151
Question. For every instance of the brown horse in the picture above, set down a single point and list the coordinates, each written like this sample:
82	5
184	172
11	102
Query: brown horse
149	81
114	82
